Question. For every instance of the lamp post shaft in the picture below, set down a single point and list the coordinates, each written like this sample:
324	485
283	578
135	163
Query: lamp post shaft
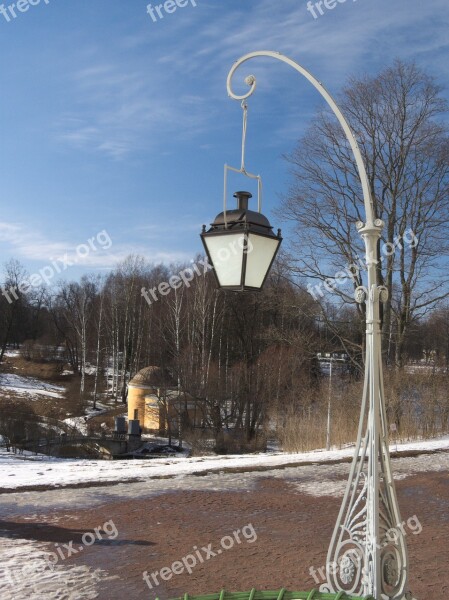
367	554
329	405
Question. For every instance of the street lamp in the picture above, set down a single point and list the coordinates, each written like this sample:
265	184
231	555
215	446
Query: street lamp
367	554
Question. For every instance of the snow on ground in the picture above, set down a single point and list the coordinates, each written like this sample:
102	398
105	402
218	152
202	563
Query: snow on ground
12	353
28	387
78	423
24	562
27	573
101	408
18	472
317	479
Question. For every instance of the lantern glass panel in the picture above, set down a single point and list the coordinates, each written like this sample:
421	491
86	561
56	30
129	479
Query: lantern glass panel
261	251
226	255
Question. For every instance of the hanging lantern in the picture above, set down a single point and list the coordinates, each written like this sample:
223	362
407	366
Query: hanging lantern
241	246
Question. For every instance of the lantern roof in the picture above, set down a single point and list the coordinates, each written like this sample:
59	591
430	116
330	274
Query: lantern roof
242	215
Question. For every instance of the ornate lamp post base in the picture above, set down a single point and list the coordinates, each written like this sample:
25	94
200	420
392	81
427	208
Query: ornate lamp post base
367	553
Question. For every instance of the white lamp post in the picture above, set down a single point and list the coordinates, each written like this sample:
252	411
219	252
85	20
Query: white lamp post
367	553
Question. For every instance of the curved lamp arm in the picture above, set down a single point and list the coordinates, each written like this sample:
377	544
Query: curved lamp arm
251	81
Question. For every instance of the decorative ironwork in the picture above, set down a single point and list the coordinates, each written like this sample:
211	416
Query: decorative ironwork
360	295
369	520
369	517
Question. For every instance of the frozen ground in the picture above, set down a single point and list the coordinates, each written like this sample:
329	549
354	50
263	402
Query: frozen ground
318	479
25	570
28	387
78	423
27	471
12	353
23	560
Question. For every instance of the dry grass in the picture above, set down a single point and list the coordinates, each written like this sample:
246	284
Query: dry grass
417	403
302	434
49	371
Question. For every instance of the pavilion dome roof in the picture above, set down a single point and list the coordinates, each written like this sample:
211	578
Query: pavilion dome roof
151	377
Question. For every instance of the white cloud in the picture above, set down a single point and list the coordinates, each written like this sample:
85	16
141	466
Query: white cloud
25	244
123	112
179	94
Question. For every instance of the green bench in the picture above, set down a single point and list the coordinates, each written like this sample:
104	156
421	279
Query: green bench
273	595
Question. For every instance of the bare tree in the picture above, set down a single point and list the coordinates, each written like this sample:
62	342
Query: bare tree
397	119
99	320
77	305
11	302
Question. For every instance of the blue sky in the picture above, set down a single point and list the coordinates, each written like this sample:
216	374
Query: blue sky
112	121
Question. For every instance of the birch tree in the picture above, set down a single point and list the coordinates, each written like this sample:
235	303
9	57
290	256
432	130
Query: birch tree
11	303
77	303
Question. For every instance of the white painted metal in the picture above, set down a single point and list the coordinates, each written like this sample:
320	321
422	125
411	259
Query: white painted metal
367	553
329	408
242	169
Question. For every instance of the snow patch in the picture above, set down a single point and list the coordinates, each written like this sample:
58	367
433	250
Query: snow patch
25	574
21	473
29	387
12	353
78	423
